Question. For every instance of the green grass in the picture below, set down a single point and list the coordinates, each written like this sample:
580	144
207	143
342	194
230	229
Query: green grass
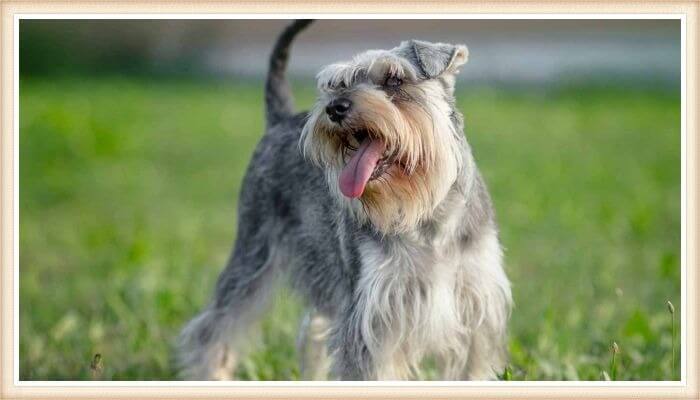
127	213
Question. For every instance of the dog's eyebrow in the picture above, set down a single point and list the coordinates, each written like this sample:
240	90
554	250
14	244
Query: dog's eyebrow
380	69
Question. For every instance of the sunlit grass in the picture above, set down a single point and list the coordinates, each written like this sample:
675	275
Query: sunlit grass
128	196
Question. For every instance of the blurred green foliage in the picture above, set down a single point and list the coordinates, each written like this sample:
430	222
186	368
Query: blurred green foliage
102	48
127	213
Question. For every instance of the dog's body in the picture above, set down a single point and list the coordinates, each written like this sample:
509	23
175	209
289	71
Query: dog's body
386	283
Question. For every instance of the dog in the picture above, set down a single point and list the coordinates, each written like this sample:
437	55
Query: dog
372	206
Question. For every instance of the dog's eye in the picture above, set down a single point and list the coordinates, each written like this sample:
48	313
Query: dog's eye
393	81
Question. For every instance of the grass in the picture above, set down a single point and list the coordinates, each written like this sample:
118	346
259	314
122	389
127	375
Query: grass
127	213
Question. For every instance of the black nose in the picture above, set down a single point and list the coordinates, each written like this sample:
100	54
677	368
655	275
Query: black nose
338	109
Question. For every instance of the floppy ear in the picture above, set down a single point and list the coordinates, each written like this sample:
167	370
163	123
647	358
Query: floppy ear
437	58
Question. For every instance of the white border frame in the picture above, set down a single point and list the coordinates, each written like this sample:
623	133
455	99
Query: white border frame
387	384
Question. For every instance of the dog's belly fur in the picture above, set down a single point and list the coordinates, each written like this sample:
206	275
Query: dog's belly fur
437	291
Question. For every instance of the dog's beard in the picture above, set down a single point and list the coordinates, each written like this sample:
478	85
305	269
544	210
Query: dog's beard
393	160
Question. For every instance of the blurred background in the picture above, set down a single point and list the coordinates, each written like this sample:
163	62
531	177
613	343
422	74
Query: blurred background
503	51
135	135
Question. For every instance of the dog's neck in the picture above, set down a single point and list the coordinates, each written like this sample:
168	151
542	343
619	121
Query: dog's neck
459	214
448	221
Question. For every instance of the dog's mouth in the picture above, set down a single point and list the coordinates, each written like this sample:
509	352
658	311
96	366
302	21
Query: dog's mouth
367	159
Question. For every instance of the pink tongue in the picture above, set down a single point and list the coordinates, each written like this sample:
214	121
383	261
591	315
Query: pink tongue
356	173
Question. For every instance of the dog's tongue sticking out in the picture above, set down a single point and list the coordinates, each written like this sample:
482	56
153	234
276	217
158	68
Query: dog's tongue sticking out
356	173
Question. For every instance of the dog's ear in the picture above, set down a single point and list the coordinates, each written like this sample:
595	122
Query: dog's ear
436	59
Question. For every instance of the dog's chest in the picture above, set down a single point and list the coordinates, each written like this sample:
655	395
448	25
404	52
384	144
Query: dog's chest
412	296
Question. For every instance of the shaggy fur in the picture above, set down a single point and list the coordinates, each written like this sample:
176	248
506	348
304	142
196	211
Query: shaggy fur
411	268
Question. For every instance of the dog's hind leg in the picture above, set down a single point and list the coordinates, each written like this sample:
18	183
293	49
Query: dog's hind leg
210	345
312	347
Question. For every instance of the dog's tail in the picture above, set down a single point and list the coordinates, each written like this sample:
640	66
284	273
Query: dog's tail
279	102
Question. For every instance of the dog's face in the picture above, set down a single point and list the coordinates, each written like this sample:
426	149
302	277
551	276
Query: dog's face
387	132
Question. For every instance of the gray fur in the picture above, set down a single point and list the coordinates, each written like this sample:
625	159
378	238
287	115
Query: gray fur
278	94
374	289
431	58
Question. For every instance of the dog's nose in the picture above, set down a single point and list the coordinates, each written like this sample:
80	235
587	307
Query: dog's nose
338	109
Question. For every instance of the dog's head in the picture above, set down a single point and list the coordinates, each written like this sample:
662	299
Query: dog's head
386	130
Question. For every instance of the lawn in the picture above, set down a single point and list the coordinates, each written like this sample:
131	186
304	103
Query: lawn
127	213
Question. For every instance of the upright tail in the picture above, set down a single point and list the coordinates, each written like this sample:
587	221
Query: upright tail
279	102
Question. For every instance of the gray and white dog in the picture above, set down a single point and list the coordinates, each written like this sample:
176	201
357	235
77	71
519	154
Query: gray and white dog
373	207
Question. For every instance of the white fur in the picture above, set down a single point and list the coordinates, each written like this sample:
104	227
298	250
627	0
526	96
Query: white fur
419	299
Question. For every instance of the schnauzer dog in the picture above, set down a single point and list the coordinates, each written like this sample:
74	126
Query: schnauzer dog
372	206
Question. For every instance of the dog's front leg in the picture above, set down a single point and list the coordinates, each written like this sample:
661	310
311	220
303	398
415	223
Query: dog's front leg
488	347
352	360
